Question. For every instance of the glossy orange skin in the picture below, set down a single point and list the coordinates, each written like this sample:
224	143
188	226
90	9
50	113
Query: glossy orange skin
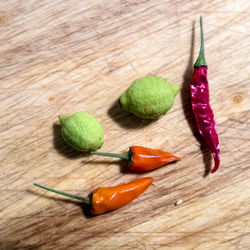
146	159
105	199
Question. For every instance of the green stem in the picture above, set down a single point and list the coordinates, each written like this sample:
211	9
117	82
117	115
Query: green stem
62	117
121	156
201	61
86	200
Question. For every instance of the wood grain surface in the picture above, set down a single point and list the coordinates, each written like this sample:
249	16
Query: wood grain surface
59	57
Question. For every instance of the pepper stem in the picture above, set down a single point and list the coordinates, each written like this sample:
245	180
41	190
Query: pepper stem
121	156
201	61
86	200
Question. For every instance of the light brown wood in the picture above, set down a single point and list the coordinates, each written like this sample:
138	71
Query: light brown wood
59	57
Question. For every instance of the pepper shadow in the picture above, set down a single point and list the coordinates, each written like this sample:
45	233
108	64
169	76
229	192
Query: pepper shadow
124	169
122	164
18	245
62	147
187	108
126	119
84	207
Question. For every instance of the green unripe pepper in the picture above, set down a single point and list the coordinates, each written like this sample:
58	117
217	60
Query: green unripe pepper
82	131
149	97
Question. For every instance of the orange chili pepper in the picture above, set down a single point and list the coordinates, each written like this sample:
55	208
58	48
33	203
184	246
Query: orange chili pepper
143	159
104	199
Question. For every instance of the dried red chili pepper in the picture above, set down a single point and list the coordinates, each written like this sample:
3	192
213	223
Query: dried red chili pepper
200	104
104	199
143	159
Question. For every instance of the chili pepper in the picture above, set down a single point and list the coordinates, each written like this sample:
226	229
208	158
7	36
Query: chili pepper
200	104
143	159
104	199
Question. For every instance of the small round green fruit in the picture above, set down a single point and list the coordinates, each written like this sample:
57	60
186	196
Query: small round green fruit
149	97
82	131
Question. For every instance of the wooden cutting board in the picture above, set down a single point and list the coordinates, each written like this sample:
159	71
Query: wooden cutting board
59	57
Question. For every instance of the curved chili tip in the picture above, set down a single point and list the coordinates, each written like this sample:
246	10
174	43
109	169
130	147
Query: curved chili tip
216	164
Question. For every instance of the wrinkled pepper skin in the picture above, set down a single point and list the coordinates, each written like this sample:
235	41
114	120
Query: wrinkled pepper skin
203	113
105	199
147	159
200	104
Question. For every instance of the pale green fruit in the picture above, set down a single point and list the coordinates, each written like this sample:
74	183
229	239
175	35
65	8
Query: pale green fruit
82	131
149	97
